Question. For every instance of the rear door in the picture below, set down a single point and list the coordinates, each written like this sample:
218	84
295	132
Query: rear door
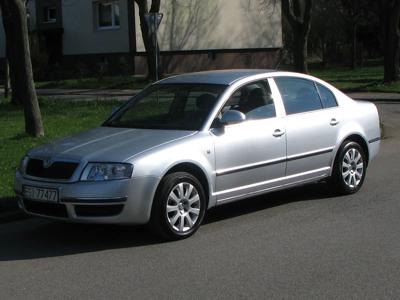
311	126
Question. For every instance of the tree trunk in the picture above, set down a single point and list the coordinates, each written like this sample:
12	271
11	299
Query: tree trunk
353	59
14	95
16	30
300	50
6	80
298	13
391	37
324	54
151	51
16	99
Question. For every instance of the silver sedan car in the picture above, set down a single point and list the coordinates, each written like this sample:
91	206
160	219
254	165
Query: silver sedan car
194	141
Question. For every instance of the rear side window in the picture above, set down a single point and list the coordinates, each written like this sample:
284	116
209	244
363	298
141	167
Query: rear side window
327	97
298	95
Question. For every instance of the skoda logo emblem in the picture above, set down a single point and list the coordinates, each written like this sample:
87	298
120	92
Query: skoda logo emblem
47	162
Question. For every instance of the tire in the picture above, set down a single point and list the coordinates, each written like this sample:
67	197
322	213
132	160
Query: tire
349	169
178	207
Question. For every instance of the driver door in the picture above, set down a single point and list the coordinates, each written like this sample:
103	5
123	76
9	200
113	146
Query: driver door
251	155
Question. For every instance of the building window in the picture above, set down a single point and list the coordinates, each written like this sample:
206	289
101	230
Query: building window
50	14
107	14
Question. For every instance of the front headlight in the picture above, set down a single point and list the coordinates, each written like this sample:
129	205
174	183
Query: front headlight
22	165
106	171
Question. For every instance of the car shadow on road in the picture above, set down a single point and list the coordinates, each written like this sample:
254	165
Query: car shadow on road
304	193
37	238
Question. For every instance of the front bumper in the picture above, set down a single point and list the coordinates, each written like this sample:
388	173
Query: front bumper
110	202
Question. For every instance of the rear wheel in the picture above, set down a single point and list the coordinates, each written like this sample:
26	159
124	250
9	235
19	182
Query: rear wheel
179	206
349	169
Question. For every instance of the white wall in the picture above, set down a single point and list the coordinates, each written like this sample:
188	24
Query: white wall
187	25
216	24
81	35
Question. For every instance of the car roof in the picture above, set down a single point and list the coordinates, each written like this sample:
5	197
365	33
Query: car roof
224	77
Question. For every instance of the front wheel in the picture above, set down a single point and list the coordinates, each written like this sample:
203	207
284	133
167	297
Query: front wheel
349	169
179	206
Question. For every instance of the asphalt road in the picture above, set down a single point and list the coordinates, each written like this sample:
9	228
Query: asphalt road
303	243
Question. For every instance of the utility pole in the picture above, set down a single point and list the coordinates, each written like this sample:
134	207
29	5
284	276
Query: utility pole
155	43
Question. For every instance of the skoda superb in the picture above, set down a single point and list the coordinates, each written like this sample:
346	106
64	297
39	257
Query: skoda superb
194	141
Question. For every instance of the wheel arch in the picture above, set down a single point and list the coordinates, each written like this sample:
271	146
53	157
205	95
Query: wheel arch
197	172
354	137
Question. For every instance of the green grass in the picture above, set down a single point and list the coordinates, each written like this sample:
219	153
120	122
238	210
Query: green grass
365	79
107	82
60	118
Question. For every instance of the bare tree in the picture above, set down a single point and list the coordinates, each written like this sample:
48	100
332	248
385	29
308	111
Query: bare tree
352	14
18	54
356	13
390	18
298	14
147	37
15	98
6	80
327	34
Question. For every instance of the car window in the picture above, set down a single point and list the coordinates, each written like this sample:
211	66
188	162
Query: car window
254	100
178	106
298	95
327	97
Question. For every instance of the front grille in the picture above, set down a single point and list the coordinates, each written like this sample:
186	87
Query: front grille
46	209
98	210
57	170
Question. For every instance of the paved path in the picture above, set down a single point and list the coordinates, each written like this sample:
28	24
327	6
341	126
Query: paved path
375	96
299	244
126	94
86	94
89	94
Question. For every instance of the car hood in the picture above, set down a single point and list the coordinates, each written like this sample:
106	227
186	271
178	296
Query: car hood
108	144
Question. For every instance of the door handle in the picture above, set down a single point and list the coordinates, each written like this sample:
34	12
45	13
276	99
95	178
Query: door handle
278	133
334	122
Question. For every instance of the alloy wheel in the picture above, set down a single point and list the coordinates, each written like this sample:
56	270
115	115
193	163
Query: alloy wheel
352	168
183	207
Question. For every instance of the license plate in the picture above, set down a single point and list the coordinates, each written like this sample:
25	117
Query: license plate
40	194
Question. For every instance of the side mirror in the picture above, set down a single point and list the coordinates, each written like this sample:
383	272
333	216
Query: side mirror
232	117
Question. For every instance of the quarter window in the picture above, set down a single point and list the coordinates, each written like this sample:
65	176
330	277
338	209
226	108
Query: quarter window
327	97
108	15
254	100
298	95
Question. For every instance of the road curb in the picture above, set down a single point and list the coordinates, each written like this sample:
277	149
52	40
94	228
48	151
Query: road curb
6	217
374	97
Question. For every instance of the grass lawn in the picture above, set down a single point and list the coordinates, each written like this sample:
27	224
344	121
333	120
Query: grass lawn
107	82
366	79
60	119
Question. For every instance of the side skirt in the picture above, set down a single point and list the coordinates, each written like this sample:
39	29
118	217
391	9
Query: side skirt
291	181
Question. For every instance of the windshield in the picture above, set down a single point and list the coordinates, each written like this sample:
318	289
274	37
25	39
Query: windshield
178	106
